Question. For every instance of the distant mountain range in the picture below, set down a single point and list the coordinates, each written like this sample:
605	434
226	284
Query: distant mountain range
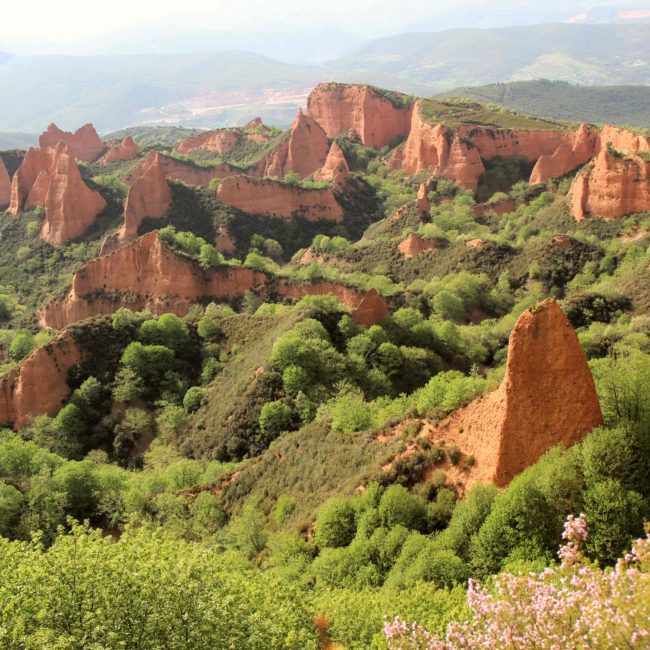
230	87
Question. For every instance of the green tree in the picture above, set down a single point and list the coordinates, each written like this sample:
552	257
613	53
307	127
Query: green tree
21	345
335	523
275	417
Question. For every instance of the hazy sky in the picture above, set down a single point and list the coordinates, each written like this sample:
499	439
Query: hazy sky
28	23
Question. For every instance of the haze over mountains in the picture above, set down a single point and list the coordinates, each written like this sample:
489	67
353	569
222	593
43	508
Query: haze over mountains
210	77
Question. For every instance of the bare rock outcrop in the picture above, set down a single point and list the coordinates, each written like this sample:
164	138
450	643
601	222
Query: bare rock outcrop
413	245
83	144
336	168
547	398
149	196
275	199
39	385
219	141
50	178
361	109
5	185
185	172
623	139
423	203
121	151
611	186
568	156
458	153
145	274
372	309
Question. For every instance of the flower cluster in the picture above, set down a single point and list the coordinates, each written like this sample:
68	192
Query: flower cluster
574	605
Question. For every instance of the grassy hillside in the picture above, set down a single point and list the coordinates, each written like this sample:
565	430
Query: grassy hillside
150	136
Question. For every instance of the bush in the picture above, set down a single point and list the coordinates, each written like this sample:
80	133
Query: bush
275	417
335	523
398	507
193	398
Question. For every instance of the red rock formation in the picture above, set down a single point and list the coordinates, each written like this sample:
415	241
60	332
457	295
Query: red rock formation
303	152
5	185
149	196
371	115
84	143
275	199
423	201
371	310
121	151
296	291
39	385
34	162
506	206
224	242
145	274
458	154
568	156
611	186
185	172
413	245
547	398
336	167
623	140
51	178
70	205
218	141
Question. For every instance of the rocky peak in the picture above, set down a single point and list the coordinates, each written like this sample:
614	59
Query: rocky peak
547	397
361	109
413	245
336	167
149	196
84	143
125	150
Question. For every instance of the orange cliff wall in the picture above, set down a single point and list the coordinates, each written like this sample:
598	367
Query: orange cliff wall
344	107
185	172
335	168
547	397
275	199
145	275
84	143
611	186
39	385
458	154
50	178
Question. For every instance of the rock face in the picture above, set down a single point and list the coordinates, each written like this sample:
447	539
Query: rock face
611	186
185	172
218	141
39	385
336	167
125	150
423	200
374	118
568	156
303	152
371	310
149	196
413	245
275	199
83	144
145	274
623	139
51	178
547	398
458	154
5	185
